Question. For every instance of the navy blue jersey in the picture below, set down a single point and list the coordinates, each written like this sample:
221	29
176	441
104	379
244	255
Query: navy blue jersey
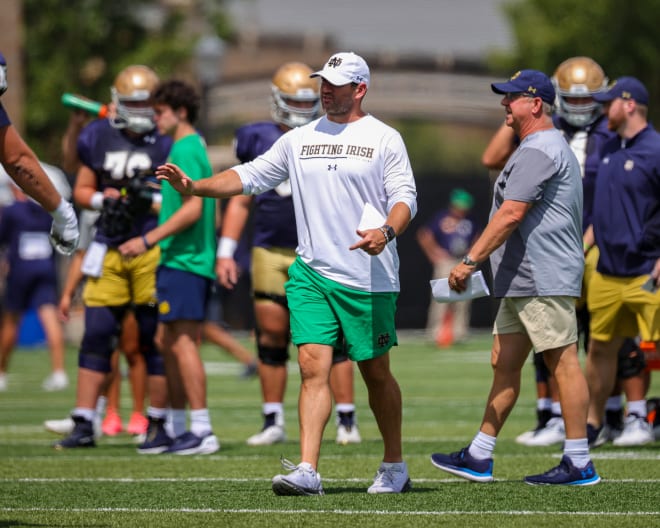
455	235
627	205
117	158
4	118
24	228
274	218
597	135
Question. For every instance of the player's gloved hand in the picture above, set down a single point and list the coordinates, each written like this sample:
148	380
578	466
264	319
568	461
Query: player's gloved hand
3	74
64	233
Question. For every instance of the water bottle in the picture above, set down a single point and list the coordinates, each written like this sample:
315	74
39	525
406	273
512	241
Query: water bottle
80	102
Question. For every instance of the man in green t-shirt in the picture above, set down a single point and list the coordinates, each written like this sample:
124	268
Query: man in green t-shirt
186	236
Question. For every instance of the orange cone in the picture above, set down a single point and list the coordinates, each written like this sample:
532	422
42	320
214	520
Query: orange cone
445	335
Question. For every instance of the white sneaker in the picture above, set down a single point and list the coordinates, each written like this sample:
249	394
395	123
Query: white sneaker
65	426
348	435
57	381
3	382
552	433
302	480
268	436
61	427
391	478
543	416
636	432
525	437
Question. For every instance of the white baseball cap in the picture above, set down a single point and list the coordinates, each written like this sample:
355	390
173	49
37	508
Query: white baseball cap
344	68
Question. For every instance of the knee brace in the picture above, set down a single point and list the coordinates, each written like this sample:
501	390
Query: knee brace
276	298
102	326
630	361
583	320
542	372
273	356
146	316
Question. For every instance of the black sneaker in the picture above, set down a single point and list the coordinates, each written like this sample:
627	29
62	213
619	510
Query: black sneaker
81	436
614	423
566	474
157	440
463	464
596	436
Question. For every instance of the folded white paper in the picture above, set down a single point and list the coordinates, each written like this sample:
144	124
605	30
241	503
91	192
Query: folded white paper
371	218
476	287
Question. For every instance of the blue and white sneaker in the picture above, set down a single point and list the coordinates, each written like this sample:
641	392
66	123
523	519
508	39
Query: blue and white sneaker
566	474
81	436
463	464
157	440
190	444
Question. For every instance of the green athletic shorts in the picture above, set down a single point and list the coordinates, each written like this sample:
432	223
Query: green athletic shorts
321	309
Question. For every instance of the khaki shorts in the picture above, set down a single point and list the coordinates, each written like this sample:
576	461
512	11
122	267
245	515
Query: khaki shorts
620	308
549	322
124	280
270	269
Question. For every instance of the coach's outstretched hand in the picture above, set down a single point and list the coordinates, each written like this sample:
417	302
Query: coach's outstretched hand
177	178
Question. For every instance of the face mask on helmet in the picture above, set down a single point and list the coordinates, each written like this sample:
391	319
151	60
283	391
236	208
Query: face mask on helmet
576	80
295	97
131	92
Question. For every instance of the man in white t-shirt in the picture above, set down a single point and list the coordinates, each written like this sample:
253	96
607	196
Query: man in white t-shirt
353	192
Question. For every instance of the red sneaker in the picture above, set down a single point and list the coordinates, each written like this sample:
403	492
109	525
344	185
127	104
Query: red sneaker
137	424
112	423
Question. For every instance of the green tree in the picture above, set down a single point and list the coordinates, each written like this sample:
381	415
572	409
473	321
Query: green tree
621	36
80	45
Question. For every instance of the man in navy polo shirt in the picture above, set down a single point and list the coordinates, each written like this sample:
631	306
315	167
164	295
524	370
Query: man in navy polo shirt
623	295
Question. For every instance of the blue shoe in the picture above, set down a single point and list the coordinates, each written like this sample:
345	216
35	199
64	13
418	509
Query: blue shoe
157	440
463	464
190	444
567	474
81	436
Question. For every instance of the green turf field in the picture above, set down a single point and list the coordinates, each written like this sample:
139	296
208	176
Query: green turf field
443	394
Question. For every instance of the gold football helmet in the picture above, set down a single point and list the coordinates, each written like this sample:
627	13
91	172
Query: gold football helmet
130	94
295	96
579	78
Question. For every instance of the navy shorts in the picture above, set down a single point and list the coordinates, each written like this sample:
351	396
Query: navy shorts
182	295
24	293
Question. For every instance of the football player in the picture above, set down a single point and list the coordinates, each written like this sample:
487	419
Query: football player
23	167
118	155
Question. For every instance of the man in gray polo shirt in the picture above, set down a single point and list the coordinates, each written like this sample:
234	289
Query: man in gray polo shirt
534	241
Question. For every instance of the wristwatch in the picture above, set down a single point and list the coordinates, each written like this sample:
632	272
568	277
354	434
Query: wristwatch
388	232
468	261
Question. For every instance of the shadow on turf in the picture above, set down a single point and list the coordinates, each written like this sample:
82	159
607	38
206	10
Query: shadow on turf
361	490
8	523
